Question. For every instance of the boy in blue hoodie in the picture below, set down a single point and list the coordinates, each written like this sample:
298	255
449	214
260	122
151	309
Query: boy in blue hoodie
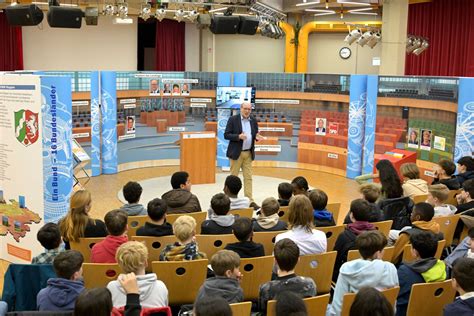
425	267
319	200
463	274
370	271
61	292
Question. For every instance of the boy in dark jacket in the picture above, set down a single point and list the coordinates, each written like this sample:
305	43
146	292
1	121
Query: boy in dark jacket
226	283
180	199
425	267
465	169
61	292
359	214
319	200
157	226
104	251
463	274
285	192
245	248
220	221
132	192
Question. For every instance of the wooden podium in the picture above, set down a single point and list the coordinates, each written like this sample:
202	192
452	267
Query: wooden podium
198	156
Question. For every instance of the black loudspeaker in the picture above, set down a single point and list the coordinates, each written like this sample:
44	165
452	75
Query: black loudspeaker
222	24
24	15
92	15
65	17
248	25
405	112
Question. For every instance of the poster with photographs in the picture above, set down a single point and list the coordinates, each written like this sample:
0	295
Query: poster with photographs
154	87
320	126
176	89
439	143
413	137
185	88
166	89
130	124
425	143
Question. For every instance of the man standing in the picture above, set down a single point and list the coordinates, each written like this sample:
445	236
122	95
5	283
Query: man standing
242	131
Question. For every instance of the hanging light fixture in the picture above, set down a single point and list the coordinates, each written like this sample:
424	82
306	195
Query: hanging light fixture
353	35
109	9
145	11
367	36
422	48
193	15
160	14
374	40
179	15
122	10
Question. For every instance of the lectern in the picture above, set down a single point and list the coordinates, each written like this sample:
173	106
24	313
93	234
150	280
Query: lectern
198	156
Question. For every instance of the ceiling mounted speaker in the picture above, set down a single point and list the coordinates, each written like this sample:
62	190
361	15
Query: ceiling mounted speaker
92	15
248	25
222	24
65	17
24	15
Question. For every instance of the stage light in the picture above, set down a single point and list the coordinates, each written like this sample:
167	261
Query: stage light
122	10
193	15
160	14
353	36
145	12
413	43
179	15
109	9
421	49
374	40
367	36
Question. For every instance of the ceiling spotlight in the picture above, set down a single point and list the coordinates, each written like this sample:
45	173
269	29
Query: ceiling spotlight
145	12
122	10
109	9
374	40
413	43
193	15
353	36
160	14
367	36
422	48
179	15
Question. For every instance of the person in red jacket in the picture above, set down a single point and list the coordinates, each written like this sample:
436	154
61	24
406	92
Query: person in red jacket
116	223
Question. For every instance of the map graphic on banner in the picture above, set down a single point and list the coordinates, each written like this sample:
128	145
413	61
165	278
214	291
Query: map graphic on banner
16	219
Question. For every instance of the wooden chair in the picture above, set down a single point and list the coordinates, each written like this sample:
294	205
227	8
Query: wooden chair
383	227
155	245
420	198
318	267
452	197
387	254
267	239
283	213
316	305
99	274
430	298
241	309
447	225
332	232
198	216
334	208
84	246
256	271
243	212
135	222
348	299
182	278
210	244
407	257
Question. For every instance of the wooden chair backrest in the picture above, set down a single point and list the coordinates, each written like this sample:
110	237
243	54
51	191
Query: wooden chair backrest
182	278
348	299
430	298
243	212
387	254
85	245
383	227
318	267
332	232
241	309
316	306
198	216
420	198
334	208
447	225
267	239
407	257
283	213
210	244
135	222
99	274
256	271
155	245
452	197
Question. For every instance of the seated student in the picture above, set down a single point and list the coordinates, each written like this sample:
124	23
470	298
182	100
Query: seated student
180	199
220	221
232	186
116	223
285	191
286	254
319	201
371	193
370	301
463	274
300	186
49	237
426	268
212	306
359	213
290	304
412	184
464	249
226	283
133	257
465	169
268	219
421	220
245	248
444	174
61	292
369	271
185	248
132	192
157	225
465	198
437	195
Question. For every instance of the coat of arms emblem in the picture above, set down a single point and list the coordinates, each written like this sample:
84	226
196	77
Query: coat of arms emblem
26	127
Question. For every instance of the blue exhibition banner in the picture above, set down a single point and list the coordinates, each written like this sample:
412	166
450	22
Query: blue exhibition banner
95	124
370	123
355	134
464	145
240	79
109	121
56	111
223	80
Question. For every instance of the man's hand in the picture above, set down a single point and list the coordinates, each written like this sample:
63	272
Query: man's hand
242	136
129	283
259	137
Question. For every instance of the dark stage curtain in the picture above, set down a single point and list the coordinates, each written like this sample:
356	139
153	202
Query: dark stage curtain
11	48
170	45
